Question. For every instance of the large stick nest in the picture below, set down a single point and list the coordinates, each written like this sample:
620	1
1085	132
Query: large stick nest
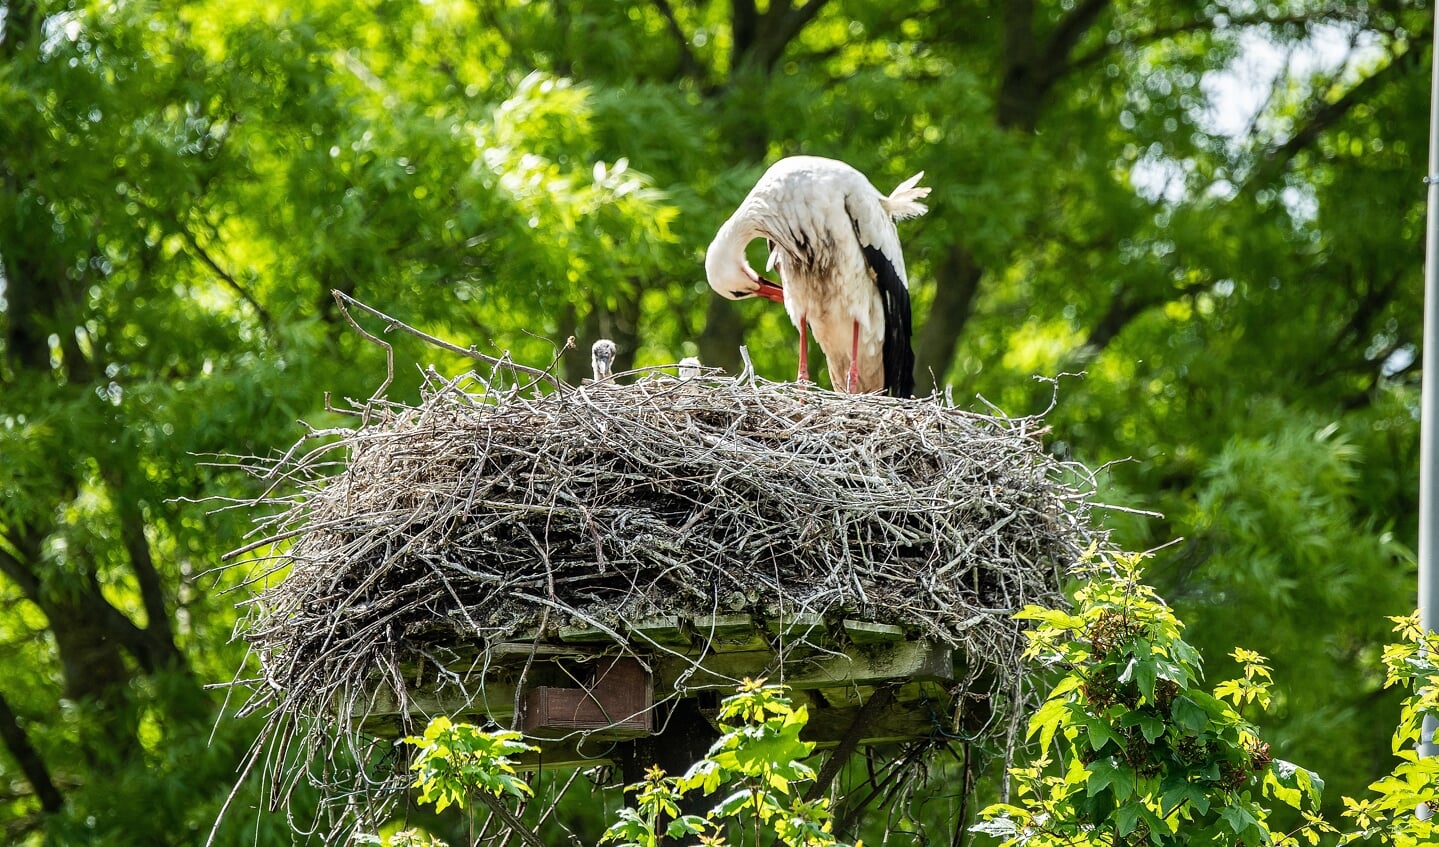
480	516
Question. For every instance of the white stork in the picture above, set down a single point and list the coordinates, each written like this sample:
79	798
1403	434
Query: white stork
602	358
832	236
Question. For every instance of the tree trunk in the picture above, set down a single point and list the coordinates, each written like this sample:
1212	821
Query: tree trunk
956	284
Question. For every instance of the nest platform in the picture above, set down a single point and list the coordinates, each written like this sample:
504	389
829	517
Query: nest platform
575	563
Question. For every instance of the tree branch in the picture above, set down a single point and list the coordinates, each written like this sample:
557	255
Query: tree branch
345	301
957	277
1066	36
744	23
154	645
31	763
224	275
778	27
1162	33
1326	114
689	63
19	573
1123	309
877	703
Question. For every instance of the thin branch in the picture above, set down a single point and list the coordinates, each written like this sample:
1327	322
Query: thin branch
515	824
877	702
345	300
1325	114
224	275
373	339
30	761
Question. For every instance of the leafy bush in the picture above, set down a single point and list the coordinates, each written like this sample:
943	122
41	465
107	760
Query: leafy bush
1131	748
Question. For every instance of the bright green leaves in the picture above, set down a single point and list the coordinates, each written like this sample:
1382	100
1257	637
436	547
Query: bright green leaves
401	838
758	759
1293	785
760	755
456	760
1140	753
766	747
1390	815
656	799
1254	687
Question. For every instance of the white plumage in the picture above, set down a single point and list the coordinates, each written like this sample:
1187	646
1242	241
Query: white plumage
833	239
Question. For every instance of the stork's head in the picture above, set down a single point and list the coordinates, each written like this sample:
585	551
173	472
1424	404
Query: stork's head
729	272
602	358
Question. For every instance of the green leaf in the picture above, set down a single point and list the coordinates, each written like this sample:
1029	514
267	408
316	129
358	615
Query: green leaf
1100	734
685	825
1127	818
1109	772
1189	714
731	805
1238	817
1292	784
1177	791
1151	727
1046	721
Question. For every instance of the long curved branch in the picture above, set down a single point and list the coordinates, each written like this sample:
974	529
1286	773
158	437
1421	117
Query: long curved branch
345	301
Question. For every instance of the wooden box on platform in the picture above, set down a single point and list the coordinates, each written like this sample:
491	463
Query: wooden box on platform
617	703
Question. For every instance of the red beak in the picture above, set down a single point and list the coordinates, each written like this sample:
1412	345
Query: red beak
769	291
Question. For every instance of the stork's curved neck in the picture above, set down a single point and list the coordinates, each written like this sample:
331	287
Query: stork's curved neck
732	239
725	263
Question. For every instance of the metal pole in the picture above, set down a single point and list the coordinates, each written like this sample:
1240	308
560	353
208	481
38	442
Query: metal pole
1429	398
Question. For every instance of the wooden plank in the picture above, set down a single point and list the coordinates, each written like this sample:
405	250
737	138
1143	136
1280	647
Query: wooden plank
934	692
664	630
510	653
583	633
800	625
869	632
826	728
730	633
494	700
858	665
723	626
898	722
843	678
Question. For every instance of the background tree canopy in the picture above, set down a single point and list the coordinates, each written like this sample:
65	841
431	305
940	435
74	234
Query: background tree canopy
1234	261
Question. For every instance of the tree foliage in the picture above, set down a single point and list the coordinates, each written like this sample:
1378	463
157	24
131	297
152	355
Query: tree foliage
1131	748
1401	808
754	769
183	185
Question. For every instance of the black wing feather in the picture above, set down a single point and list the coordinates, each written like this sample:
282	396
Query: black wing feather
894	298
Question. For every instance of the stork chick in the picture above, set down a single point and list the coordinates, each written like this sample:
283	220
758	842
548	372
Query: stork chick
602	359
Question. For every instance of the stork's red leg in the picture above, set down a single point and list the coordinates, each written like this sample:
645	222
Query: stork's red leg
804	349
853	379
